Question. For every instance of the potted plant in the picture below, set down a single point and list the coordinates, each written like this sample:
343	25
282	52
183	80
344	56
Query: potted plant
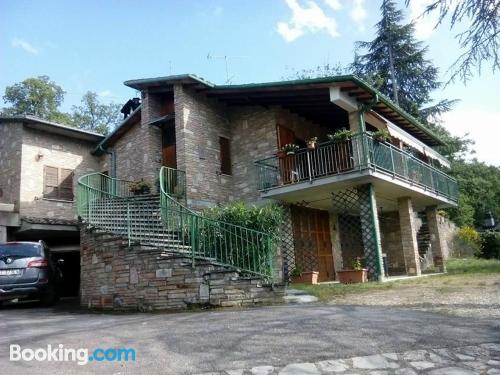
381	135
299	276
340	135
311	143
141	187
357	274
290	148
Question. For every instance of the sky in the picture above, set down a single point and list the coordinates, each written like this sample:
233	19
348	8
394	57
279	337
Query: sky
97	45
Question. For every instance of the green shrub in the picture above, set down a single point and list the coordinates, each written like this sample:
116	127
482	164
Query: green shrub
466	243
490	245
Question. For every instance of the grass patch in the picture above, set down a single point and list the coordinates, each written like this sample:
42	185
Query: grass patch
461	272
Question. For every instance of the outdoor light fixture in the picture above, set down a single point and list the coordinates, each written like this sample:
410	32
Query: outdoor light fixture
39	156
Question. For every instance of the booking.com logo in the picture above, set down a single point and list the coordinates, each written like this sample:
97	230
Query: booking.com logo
81	355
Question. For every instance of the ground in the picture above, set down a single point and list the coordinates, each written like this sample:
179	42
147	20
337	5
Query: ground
471	288
317	338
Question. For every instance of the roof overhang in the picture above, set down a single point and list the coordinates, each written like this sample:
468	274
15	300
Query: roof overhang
37	123
167	82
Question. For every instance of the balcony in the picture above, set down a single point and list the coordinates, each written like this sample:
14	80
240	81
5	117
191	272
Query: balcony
358	156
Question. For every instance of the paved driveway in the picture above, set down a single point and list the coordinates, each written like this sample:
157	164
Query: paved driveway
224	339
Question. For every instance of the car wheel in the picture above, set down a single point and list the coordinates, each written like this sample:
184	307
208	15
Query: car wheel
48	298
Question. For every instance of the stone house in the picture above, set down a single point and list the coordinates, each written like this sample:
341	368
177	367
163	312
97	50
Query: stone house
40	163
372	192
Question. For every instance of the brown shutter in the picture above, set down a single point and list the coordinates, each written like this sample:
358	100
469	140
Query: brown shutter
50	182
225	156
66	185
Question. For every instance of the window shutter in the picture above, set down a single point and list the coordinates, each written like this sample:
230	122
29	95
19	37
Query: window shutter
50	182
66	185
225	156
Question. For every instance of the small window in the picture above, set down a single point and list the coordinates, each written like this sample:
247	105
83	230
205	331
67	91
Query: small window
225	156
58	183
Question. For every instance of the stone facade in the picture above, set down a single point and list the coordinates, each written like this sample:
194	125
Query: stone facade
10	162
116	276
409	235
41	149
390	231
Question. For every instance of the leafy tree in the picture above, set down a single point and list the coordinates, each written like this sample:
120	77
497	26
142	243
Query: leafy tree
480	42
38	96
326	70
94	115
395	62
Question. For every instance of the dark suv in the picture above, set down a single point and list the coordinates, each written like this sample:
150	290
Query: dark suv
28	272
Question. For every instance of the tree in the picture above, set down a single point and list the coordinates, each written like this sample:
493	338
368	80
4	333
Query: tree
395	63
327	70
38	96
480	41
95	116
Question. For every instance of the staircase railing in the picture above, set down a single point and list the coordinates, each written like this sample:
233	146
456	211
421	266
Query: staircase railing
107	203
229	244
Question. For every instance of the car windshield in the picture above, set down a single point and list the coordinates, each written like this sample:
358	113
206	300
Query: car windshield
20	250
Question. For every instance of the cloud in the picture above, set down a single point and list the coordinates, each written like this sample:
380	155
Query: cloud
105	93
309	18
424	25
23	44
334	4
485	135
358	13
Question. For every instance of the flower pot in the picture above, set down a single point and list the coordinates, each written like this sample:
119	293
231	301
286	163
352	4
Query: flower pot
306	278
353	276
281	154
290	152
311	146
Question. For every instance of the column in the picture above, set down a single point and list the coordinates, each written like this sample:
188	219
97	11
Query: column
437	242
370	232
409	236
3	234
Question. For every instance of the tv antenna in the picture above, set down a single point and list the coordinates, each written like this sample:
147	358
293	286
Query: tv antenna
226	63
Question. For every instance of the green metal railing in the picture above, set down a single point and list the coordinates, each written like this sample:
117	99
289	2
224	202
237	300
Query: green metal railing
361	152
107	204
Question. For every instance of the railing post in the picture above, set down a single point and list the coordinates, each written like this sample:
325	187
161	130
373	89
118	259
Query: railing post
392	162
309	169
129	228
194	225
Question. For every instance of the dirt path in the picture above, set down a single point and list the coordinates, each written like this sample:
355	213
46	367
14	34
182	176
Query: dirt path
478	296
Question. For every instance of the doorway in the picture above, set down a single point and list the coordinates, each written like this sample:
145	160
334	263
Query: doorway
312	241
168	148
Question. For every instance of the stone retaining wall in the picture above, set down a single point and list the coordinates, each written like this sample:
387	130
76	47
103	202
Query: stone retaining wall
117	277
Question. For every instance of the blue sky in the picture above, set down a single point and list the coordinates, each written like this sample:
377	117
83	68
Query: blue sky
96	45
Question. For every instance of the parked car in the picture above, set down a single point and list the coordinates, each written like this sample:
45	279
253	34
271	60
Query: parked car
27	271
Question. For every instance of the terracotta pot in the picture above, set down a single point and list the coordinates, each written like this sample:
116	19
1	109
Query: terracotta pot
311	146
306	278
353	276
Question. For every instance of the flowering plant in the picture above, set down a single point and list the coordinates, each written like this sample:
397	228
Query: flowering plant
356	264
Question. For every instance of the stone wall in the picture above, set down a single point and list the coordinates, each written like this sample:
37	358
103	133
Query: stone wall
392	242
40	149
138	151
115	276
199	122
448	231
10	162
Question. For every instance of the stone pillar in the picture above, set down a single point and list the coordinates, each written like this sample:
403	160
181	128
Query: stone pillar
3	234
437	240
409	236
370	232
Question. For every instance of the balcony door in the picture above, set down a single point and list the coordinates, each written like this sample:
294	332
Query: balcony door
169	153
312	241
287	163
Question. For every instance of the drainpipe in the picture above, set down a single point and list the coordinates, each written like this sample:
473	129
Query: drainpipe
362	109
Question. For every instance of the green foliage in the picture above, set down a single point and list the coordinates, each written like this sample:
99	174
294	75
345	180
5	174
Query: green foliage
356	264
297	271
490	245
382	135
38	96
340	135
395	62
326	70
95	116
263	219
467	242
472	266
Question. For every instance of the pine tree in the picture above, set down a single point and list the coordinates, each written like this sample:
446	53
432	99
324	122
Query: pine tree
395	62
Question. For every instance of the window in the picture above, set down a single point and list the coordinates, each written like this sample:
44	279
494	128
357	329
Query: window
58	183
225	156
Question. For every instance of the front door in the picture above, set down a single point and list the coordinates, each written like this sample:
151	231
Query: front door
312	241
169	154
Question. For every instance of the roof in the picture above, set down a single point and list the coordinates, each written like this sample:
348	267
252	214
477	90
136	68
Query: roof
294	91
140	84
37	123
124	126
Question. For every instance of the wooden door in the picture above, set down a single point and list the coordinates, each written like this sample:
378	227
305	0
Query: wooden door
312	241
169	154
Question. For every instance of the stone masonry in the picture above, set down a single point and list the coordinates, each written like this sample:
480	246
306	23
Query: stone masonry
438	242
409	235
118	277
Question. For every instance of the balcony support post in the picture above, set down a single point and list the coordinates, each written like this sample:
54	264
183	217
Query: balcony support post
409	236
437	241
